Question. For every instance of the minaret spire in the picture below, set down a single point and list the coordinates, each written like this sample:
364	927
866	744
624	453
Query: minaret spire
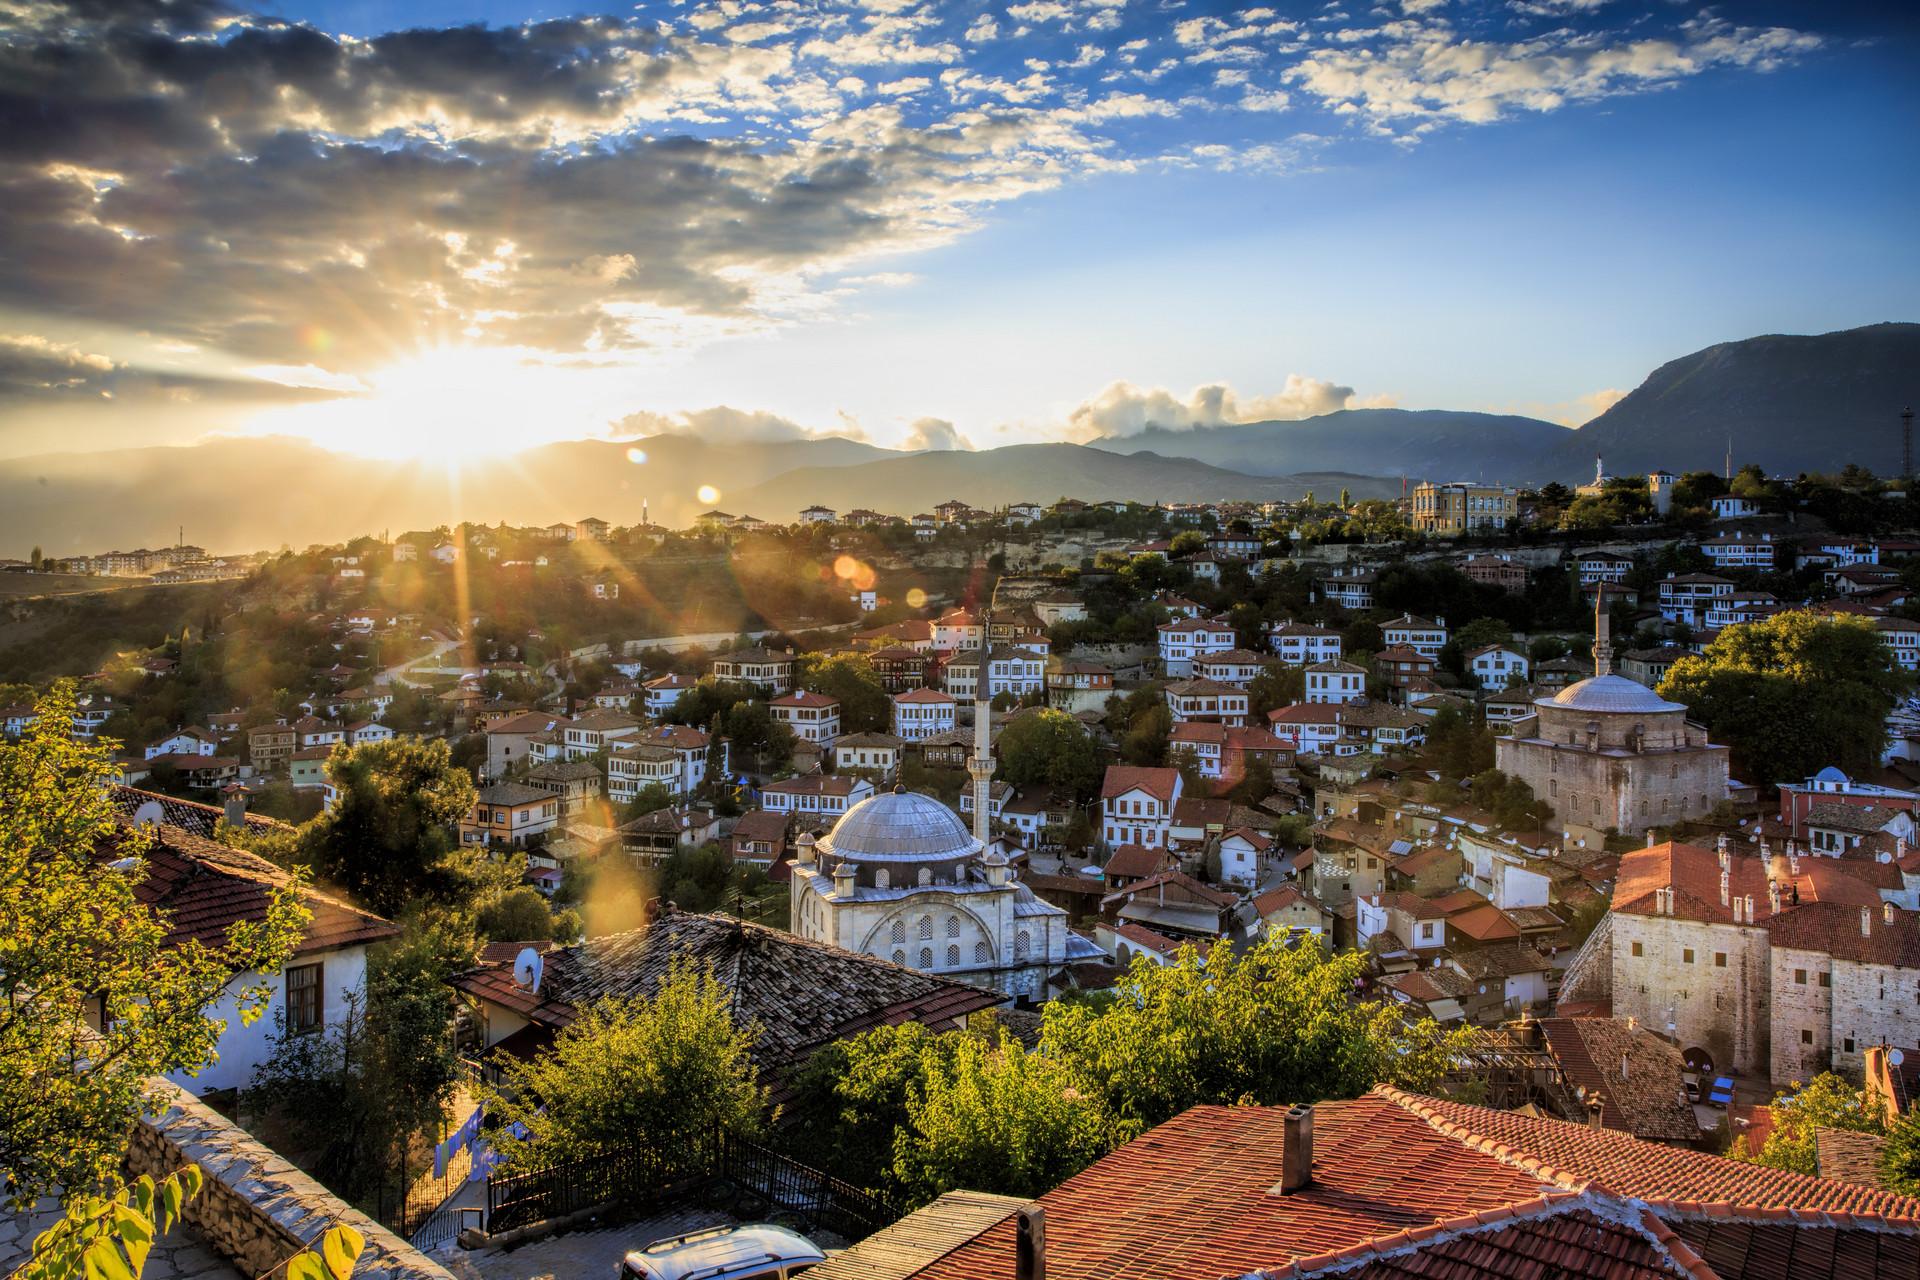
980	767
1602	641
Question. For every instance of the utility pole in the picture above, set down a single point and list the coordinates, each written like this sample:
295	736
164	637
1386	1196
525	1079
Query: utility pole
1906	443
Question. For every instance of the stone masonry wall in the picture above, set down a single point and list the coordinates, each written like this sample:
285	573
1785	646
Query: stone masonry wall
256	1209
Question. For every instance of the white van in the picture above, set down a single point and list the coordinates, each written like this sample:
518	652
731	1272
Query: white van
756	1251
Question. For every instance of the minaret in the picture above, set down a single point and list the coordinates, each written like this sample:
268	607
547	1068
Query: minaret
1602	642
980	767
1599	471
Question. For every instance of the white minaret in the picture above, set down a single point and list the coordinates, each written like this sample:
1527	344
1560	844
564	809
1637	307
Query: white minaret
981	765
1602	641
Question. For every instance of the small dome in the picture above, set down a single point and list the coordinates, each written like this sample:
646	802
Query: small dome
1615	695
899	826
1831	774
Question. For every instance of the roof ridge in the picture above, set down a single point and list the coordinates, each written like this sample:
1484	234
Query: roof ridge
1418	1106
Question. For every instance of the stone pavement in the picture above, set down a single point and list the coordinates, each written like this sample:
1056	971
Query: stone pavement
591	1254
178	1255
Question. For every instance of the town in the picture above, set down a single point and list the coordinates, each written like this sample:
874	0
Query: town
1568	820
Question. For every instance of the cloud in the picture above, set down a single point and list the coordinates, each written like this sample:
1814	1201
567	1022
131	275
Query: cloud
36	369
929	434
723	424
1126	410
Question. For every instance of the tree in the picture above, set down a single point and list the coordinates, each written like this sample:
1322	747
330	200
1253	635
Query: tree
1828	1102
660	1074
77	943
522	915
1482	632
1276	1024
1049	748
850	1099
995	1117
1900	1156
1186	542
850	678
1792	694
389	838
1276	687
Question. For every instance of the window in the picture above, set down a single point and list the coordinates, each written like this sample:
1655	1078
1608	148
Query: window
1719	959
953	957
1686	955
1638	950
1806	1037
1846	1046
1826	979
899	957
979	953
1800	977
926	927
898	933
953	926
304	1010
1022	942
926	957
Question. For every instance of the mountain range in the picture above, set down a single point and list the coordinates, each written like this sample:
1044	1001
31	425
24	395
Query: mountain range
1790	403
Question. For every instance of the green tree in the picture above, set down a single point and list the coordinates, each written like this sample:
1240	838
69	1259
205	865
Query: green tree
1276	1024
1900	1157
77	942
389	838
1793	693
850	1099
1828	1102
849	677
659	1074
520	914
994	1117
1276	687
1482	632
1186	542
1049	748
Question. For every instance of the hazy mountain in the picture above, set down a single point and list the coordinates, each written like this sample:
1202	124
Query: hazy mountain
1430	444
1791	403
246	494
1027	473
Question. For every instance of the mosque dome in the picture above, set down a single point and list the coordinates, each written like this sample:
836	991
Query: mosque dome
899	826
1610	695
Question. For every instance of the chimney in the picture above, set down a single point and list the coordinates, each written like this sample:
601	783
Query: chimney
1296	1150
1749	911
1773	897
803	849
1650	840
1030	1243
1623	1064
235	803
1595	1106
1887	910
1726	880
1866	922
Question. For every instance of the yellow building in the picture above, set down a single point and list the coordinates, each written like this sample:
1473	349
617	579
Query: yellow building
1463	508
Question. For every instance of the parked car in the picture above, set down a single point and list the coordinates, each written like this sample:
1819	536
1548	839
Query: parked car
754	1251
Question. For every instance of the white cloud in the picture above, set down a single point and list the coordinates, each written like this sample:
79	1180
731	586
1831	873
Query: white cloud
934	434
984	28
1123	409
723	424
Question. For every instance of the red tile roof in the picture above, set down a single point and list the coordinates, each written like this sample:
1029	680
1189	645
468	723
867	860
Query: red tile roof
1122	778
1135	861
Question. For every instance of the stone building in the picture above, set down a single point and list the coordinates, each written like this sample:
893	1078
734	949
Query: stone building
1783	966
1607	753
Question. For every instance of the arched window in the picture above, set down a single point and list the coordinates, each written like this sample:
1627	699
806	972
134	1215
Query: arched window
1021	945
881	879
926	957
926	875
979	953
899	931
900	957
953	957
926	926
953	926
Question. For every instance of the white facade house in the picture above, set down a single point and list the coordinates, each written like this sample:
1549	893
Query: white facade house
1206	700
594	731
1184	639
1728	507
1300	644
923	713
1237	667
1497	665
182	742
1686	597
815	795
1603	566
1741	551
662	693
1336	682
1017	672
813	717
673	755
1137	804
1426	637
957	630
817	515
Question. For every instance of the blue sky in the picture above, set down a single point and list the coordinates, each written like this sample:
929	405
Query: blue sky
939	224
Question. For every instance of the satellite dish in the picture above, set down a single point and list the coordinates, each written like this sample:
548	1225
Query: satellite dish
527	967
1895	1057
149	814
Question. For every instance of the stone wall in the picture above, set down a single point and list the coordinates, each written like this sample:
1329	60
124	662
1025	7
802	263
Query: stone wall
1720	999
256	1209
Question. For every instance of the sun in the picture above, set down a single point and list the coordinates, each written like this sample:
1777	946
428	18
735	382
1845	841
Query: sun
451	404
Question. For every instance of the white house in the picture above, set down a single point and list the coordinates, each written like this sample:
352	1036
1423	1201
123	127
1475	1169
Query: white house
813	717
817	515
1237	667
815	795
1018	672
1497	665
1741	551
1300	644
922	713
1206	700
957	629
1184	639
662	693
672	755
1728	507
1136	805
1425	637
1686	597
1240	852
361	732
182	742
1336	682
206	889
1318	728
594	731
1603	566
877	753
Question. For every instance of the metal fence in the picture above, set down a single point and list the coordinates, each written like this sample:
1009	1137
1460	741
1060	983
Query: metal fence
721	1166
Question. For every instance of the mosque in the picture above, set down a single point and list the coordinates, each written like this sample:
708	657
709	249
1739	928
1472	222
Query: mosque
901	878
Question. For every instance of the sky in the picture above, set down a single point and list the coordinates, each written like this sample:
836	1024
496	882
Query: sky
460	226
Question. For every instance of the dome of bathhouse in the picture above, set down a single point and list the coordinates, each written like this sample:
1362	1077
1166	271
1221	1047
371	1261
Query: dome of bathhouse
1610	695
899	826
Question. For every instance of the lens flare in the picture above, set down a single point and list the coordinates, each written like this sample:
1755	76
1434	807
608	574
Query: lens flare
916	598
707	494
846	566
636	456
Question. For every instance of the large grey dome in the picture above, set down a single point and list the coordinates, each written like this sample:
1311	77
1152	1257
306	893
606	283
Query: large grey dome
899	826
1610	694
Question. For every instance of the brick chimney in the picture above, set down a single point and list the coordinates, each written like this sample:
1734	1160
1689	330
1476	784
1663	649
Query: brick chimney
234	801
1296	1150
1030	1243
